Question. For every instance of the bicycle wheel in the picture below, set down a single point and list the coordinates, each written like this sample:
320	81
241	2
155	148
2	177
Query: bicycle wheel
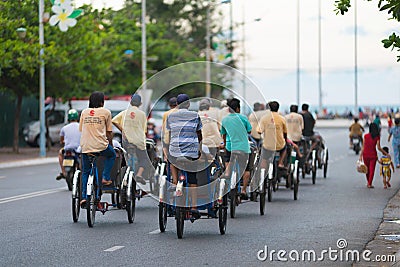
269	189
232	202
76	198
180	221
314	171
326	164
91	209
295	182
162	216
131	203
223	215
262	198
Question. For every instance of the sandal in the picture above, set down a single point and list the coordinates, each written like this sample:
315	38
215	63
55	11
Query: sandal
140	179
388	184
60	176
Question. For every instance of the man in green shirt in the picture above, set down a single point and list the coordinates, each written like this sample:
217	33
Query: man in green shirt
235	129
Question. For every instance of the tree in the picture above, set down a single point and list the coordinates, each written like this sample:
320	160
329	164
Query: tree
392	7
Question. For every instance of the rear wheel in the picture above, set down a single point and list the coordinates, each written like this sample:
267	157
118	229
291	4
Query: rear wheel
314	171
180	221
91	209
76	207
295	182
269	189
131	203
326	164
232	202
69	178
262	198
223	215
162	216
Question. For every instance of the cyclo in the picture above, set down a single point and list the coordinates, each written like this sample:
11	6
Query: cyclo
240	162
209	195
315	157
270	178
95	189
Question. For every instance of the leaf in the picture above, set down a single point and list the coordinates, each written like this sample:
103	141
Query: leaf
75	13
52	2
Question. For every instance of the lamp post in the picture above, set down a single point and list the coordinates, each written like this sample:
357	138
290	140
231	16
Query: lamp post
319	57
144	44
355	61
298	54
42	83
208	49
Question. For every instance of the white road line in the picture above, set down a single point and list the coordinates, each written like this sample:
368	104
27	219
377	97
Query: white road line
30	195
113	248
157	231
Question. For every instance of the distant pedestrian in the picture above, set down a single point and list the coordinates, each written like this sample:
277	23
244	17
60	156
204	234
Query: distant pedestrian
395	132
386	168
368	154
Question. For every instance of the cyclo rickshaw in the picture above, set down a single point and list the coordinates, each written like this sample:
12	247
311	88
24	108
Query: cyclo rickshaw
313	157
120	193
210	194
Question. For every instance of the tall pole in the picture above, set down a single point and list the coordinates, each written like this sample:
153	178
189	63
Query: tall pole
208	54
298	54
319	57
144	49
244	51
355	61
42	83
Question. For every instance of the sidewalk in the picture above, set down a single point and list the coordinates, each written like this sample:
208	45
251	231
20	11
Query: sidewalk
27	156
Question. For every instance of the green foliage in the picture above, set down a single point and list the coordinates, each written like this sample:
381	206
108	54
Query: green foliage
393	9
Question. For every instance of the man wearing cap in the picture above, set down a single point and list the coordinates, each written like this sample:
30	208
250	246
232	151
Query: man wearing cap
184	130
209	118
132	123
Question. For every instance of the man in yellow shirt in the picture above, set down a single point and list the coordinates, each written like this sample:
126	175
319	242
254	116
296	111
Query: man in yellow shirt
355	130
96	127
254	119
172	102
295	124
273	127
132	123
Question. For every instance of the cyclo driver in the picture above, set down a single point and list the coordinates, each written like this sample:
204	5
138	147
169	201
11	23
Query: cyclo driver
96	127
308	131
234	130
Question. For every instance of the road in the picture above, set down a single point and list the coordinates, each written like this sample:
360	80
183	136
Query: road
37	227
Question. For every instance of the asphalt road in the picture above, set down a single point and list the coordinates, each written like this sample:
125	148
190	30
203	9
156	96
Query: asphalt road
37	227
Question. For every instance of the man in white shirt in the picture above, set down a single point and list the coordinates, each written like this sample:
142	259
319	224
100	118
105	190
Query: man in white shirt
295	124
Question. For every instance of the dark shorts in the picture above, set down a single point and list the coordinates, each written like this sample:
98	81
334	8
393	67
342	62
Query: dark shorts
191	176
268	154
227	158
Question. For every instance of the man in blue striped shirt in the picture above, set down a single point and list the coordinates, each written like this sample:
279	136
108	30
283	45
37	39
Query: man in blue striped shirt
184	129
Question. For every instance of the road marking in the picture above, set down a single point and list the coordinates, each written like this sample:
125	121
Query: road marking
30	195
114	248
2	177
157	231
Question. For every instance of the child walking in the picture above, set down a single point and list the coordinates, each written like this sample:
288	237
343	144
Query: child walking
386	168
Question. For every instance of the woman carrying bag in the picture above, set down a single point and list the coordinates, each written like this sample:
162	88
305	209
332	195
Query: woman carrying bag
368	153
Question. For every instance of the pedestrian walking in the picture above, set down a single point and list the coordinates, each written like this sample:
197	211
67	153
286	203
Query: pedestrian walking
368	154
395	132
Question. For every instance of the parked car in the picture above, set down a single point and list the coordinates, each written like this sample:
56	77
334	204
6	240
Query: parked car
59	117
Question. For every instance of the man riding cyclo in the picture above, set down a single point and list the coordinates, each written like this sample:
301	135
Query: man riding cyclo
96	127
274	129
132	123
70	138
184	136
254	119
356	130
234	130
308	131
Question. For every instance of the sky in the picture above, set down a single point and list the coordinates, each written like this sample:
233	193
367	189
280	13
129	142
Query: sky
271	51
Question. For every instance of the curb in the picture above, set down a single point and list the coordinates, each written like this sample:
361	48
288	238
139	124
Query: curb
29	162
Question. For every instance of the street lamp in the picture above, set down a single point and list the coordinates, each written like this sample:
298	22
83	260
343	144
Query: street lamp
21	33
208	49
144	44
